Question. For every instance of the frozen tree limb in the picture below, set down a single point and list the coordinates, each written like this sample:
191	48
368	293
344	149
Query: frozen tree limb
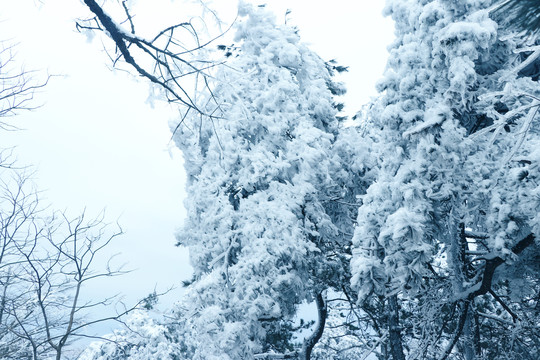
168	58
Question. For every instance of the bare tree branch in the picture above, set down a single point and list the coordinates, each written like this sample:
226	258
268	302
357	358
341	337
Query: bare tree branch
17	88
170	61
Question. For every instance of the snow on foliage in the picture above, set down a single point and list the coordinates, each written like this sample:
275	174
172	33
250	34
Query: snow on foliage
144	338
260	170
453	134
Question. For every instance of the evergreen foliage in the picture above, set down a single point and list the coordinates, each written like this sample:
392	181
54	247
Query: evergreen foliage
261	184
451	129
520	15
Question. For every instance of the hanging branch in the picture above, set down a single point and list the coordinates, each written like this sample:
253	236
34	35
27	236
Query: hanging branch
167	55
505	307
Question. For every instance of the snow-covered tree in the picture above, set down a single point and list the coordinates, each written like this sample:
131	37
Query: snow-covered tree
261	193
453	199
143	338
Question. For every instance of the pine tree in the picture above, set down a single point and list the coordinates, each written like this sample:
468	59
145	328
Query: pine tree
453	135
261	175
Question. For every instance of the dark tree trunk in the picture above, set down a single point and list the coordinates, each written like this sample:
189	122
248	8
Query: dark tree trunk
394	329
311	341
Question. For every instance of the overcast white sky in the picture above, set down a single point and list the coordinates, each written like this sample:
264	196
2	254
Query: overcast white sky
96	143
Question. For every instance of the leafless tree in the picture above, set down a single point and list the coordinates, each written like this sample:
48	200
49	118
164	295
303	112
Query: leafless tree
46	261
57	263
17	198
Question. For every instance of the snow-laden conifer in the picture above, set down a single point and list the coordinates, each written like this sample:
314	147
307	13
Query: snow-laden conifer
143	338
260	176
453	200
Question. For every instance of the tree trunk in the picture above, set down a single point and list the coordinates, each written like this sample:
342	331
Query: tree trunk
468	343
458	263
394	329
311	341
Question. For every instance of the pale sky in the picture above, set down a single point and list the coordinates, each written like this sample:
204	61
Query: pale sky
96	143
